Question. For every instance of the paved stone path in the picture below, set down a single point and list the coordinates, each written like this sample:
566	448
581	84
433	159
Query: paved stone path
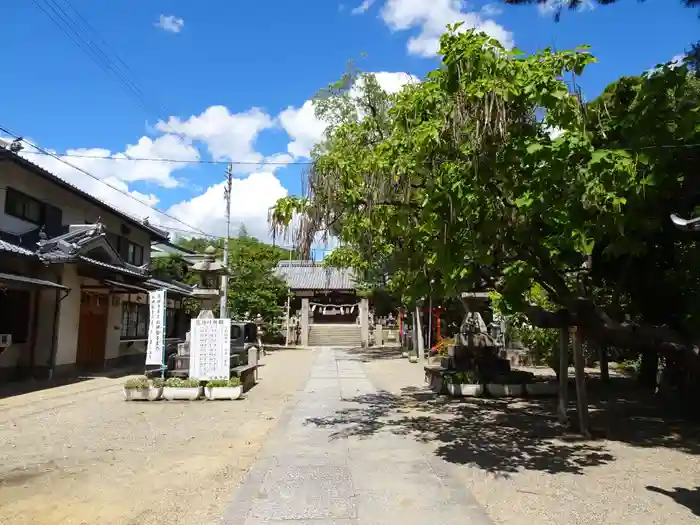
310	473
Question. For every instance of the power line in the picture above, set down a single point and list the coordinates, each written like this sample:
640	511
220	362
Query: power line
75	30
180	161
127	194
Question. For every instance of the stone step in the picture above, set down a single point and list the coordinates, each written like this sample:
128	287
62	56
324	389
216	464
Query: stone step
335	335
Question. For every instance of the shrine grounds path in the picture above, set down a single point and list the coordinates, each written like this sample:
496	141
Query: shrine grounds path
334	436
80	454
325	465
643	468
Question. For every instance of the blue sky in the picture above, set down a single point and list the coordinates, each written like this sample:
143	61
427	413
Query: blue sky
210	64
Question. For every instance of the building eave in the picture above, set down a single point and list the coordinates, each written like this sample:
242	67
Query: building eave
154	232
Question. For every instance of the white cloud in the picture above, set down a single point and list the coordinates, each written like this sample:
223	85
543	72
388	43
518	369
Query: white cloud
109	186
491	10
160	173
170	23
677	60
306	130
251	197
363	7
431	18
223	133
228	136
303	127
554	132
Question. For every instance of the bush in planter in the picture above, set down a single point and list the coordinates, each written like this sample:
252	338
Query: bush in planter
469	377
543	387
464	384
224	389
176	388
141	389
510	384
137	383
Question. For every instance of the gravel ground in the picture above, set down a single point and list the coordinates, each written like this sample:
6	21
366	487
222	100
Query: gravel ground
523	469
80	454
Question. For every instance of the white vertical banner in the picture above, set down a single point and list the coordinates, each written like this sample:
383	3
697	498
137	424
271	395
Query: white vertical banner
210	349
156	328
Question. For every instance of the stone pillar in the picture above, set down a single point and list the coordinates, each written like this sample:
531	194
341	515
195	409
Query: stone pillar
419	334
304	321
378	335
364	321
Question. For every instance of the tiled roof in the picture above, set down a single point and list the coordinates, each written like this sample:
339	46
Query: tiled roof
109	266
180	288
38	170
309	275
43	283
17	250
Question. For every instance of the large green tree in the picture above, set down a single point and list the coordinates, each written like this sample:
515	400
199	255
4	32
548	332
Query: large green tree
253	287
459	182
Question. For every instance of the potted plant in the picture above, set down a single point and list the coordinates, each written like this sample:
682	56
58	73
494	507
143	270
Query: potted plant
542	388
223	389
510	384
183	389
464	384
141	389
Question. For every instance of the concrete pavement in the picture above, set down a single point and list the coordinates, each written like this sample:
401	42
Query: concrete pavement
319	468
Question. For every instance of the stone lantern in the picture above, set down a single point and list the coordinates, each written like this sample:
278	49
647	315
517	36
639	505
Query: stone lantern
208	290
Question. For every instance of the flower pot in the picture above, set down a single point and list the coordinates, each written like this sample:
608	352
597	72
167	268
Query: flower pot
184	394
497	390
143	394
550	388
458	390
223	392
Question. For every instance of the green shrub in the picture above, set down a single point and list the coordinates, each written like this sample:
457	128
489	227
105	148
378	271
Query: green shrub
515	377
223	383
469	377
176	382
136	383
158	382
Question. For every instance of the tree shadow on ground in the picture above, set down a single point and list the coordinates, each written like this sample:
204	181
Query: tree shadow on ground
503	436
689	498
375	353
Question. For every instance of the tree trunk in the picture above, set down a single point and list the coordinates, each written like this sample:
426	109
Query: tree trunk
581	397
649	368
608	331
604	368
563	376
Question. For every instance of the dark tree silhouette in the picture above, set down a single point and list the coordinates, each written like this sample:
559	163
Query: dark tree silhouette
575	4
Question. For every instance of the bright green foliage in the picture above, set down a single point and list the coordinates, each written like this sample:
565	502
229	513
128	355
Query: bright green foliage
542	343
224	383
170	268
253	288
458	183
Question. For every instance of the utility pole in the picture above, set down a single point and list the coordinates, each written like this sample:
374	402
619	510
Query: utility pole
289	297
223	311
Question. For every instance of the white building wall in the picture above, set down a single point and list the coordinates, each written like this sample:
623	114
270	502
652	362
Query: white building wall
69	318
45	326
114	327
76	210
